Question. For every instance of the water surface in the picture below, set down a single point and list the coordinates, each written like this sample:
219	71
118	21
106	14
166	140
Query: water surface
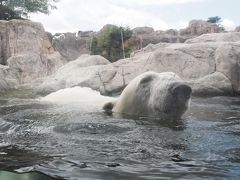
73	141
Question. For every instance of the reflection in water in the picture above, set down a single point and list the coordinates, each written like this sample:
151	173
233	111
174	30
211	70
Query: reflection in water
5	175
66	140
12	157
176	124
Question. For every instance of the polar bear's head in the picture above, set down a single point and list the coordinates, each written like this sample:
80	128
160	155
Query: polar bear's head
161	95
166	95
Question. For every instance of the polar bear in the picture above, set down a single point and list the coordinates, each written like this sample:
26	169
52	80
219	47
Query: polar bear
151	94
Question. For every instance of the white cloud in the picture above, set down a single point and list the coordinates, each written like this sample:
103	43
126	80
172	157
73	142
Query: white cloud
74	15
151	2
228	24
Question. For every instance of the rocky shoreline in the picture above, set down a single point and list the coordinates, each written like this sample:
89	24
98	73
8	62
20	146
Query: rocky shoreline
210	63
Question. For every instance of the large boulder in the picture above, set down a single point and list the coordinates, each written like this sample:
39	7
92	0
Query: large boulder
227	58
25	48
212	85
87	71
72	45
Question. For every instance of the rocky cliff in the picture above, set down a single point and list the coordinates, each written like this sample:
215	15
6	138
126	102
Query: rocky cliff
210	63
25	53
72	45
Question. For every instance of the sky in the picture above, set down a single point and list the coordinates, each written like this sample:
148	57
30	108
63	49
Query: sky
84	15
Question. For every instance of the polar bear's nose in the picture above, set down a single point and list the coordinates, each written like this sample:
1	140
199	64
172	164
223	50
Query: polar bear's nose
182	90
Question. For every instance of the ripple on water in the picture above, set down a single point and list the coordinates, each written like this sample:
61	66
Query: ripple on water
90	128
62	141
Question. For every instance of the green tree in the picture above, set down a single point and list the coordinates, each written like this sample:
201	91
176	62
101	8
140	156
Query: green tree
109	43
215	19
17	9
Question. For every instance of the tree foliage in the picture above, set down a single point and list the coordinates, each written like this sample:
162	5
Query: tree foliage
16	9
215	19
109	43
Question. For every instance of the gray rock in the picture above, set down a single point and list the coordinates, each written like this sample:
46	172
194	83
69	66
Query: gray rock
212	67
70	45
216	37
8	78
26	50
199	27
227	58
143	30
237	29
216	84
86	71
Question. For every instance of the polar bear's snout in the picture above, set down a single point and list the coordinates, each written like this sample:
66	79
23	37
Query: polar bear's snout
182	91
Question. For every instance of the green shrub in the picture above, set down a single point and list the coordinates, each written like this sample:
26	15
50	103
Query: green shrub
109	43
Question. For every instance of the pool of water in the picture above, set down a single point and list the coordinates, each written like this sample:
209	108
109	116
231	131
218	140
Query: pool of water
69	142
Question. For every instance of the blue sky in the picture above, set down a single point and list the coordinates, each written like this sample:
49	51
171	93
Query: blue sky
74	15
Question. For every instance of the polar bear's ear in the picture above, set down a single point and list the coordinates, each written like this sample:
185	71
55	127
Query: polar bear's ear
108	107
147	79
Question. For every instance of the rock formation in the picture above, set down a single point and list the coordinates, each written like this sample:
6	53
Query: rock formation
210	62
237	29
88	71
211	67
25	53
72	45
199	27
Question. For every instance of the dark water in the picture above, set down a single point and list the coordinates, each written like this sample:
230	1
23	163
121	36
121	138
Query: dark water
61	141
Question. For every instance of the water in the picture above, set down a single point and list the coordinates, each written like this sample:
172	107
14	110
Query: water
66	137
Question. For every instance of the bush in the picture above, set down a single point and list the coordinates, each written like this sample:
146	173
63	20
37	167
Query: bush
109	43
19	9
215	19
7	13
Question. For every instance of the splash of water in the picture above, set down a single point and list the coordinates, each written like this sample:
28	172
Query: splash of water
81	96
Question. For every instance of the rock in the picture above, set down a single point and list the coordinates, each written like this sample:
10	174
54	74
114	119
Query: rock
237	29
3	43
143	36
184	59
143	30
216	84
86	71
105	29
84	61
199	27
8	78
213	68
26	49
216	37
227	58
70	45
